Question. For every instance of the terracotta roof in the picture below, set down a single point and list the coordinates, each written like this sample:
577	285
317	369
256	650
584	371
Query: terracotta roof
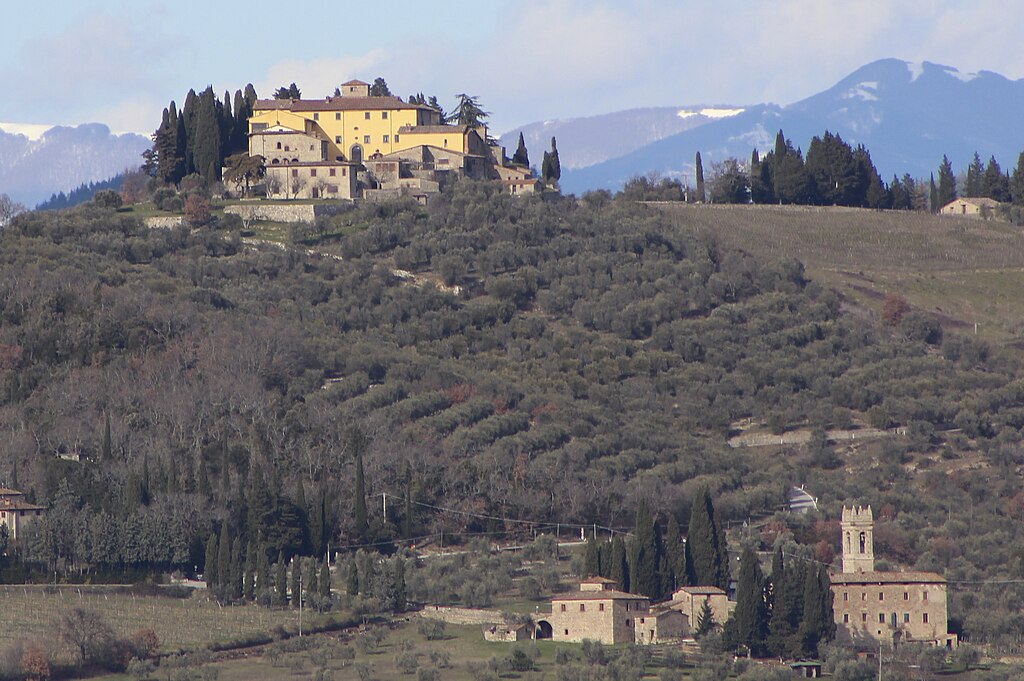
20	506
597	580
608	595
336	104
355	81
294	164
887	578
701	590
7	491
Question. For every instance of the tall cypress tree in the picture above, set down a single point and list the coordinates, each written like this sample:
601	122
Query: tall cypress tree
360	524
352	578
556	166
521	157
296	582
591	558
933	195
701	196
206	143
818	623
975	172
281	579
210	563
751	615
644	555
263	583
675	554
706	543
1017	182
619	569
325	579
224	570
947	183
237	568
249	573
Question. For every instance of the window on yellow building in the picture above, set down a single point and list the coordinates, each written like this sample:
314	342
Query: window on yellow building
924	618
367	115
337	116
366	139
583	607
316	117
396	139
386	139
384	115
563	607
312	172
337	139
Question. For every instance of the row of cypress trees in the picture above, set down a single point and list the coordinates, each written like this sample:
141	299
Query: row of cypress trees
655	564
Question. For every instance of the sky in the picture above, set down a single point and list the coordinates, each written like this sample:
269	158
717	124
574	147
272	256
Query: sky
120	62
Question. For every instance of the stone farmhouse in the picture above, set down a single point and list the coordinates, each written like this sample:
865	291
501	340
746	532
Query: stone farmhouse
15	512
971	207
372	147
873	608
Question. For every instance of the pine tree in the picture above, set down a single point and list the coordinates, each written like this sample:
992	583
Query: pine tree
379	88
325	579
398	575
994	184
210	563
706	542
947	184
296	582
644	555
619	569
468	111
705	621
224	570
701	196
818	622
751	616
281	579
521	157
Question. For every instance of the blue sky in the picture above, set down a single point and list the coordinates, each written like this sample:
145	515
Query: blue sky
120	62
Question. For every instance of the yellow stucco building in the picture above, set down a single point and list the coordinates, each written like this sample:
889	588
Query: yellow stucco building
355	125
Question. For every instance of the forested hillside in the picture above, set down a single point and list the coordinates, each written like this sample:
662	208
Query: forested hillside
574	358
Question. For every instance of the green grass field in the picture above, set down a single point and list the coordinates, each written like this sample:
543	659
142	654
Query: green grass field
961	270
33	612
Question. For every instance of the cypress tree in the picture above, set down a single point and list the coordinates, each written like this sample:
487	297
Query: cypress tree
357	441
701	196
296	582
521	157
281	579
311	585
237	563
224	570
206	144
751	617
210	562
249	575
1017	182
545	168
303	512
933	195
591	559
106	449
144	495
947	183
556	166
398	575
325	579
352	578
706	543
675	553
619	568
644	555
818	622
975	172
262	572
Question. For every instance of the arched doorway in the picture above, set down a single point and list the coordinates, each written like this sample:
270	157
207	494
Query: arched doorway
355	154
543	630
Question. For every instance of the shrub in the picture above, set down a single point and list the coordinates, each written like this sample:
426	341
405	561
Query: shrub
197	211
35	664
432	630
107	198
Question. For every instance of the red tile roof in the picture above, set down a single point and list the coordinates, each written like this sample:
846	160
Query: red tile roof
607	595
337	104
887	578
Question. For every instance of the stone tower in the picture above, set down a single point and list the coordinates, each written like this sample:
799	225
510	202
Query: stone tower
858	540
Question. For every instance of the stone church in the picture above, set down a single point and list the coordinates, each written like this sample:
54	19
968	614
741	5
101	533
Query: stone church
873	608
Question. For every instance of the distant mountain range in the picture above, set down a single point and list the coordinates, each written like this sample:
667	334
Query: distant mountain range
908	115
32	167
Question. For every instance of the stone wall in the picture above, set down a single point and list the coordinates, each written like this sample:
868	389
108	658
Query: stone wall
453	615
168	222
276	212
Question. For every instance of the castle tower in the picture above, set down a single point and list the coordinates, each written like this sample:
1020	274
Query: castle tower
858	540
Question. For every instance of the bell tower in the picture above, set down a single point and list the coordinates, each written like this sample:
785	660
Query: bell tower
858	540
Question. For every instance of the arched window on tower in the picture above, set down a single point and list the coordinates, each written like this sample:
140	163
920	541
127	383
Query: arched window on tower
863	542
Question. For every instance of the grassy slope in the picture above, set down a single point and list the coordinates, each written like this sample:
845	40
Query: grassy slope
963	271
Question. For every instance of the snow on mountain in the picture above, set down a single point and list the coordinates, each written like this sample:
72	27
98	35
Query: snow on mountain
35	164
907	115
591	140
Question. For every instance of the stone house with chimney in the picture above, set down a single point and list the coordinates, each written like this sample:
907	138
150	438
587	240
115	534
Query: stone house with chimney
16	513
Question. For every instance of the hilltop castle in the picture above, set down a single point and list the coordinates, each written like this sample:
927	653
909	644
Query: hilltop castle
874	607
374	147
